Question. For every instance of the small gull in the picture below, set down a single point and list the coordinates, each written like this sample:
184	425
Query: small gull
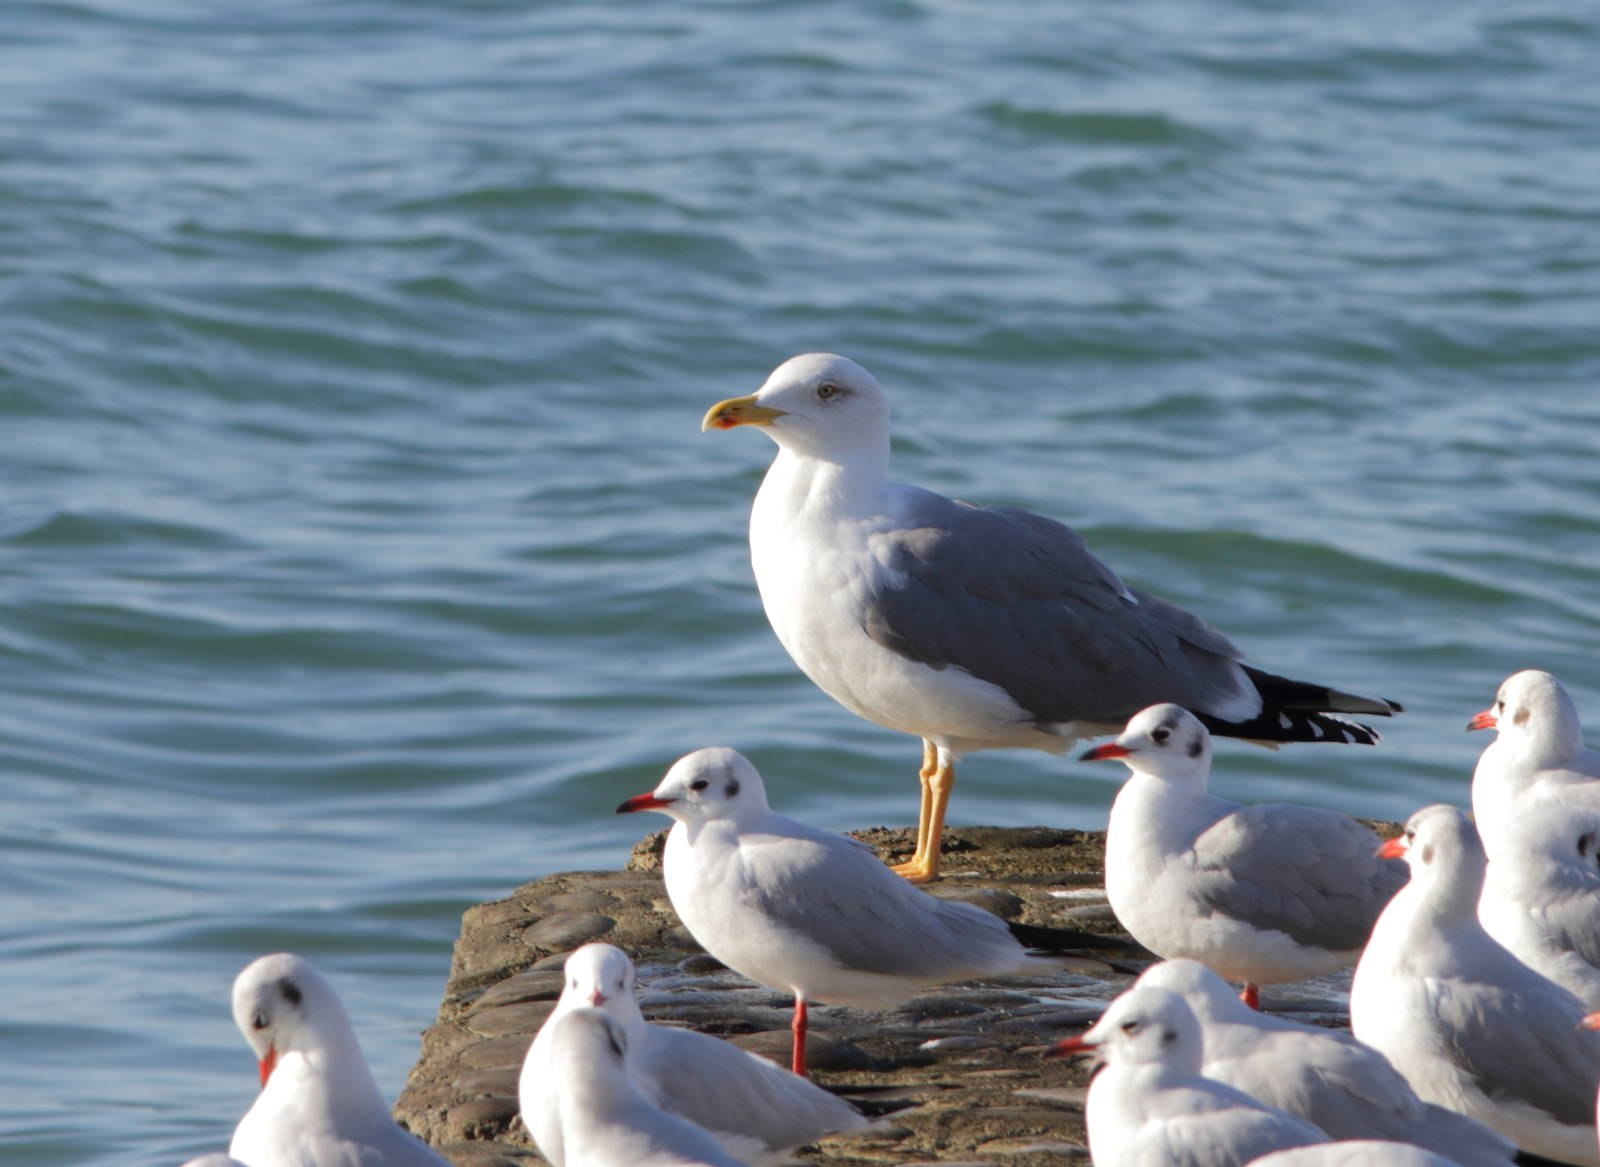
972	627
606	1120
319	1105
756	1110
1326	1077
1150	1106
1260	894
1356	1153
1469	1025
1541	895
1537	756
794	907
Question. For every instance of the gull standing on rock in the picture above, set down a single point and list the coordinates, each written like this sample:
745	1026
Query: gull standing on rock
797	908
1469	1025
970	627
319	1105
1326	1077
606	1120
1537	756
756	1110
1259	894
1541	895
1150	1106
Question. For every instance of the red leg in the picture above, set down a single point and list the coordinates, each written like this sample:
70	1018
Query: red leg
1251	995
797	1056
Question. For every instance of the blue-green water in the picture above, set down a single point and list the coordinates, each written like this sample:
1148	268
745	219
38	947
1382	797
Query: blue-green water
360	551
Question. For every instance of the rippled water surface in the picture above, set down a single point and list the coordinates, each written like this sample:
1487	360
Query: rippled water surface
360	551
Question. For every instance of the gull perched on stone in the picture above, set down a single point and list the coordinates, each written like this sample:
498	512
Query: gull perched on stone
756	1110
972	627
1150	1106
319	1105
1537	756
794	907
1469	1025
1260	894
606	1120
1326	1077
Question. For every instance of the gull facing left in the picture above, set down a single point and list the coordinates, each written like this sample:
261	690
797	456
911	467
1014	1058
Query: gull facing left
1260	894
794	907
1150	1106
319	1105
758	1111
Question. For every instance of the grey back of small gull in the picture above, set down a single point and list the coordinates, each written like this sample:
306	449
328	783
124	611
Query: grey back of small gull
606	1119
1151	1107
1470	1026
973	627
797	908
1326	1077
1260	894
1541	895
1357	1153
755	1109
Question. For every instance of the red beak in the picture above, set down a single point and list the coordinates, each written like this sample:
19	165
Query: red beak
1394	848
1592	1021
1484	720
643	802
1101	753
1069	1046
597	998
269	1062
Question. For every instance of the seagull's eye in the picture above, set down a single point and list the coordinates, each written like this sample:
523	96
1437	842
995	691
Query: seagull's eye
258	1020
828	391
1161	735
699	784
1130	1027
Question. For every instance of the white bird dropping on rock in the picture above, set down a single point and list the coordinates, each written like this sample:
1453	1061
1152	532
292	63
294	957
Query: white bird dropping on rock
1260	894
1469	1025
1150	1107
756	1110
319	1105
606	1120
1537	756
797	908
1326	1077
973	628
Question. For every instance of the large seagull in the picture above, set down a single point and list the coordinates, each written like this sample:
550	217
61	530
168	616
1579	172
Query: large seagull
973	627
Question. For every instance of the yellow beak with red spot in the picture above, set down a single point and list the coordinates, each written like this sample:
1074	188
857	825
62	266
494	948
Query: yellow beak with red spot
724	415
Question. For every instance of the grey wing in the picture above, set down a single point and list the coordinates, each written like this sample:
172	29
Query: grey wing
837	894
721	1087
1523	1045
1566	895
1347	1089
1312	874
1231	1137
1018	600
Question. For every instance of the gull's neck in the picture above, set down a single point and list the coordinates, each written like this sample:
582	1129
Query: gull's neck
335	1074
817	489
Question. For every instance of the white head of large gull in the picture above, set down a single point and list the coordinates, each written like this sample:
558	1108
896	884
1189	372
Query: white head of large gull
1469	1025
1150	1101
318	1101
756	1110
1325	1076
1537	755
972	627
797	908
1260	894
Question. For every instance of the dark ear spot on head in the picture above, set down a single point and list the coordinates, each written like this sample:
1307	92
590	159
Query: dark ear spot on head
1585	844
1168	1036
731	788
1520	717
1196	747
290	991
1427	853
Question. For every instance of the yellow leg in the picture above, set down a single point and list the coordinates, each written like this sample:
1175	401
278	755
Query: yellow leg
924	864
930	763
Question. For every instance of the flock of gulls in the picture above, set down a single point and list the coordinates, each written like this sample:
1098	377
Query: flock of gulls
1475	941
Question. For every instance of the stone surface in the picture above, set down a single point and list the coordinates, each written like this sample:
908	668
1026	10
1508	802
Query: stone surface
960	1069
